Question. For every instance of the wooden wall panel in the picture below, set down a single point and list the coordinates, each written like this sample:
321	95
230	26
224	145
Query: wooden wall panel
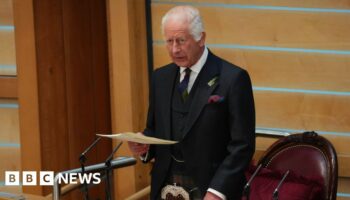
302	111
27	89
7	48
344	165
52	95
129	84
269	28
8	87
6	12
339	4
74	97
11	189
282	69
63	84
9	122
9	129
8	70
341	143
343	185
13	160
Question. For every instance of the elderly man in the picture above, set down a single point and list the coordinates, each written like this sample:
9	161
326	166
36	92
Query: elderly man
205	103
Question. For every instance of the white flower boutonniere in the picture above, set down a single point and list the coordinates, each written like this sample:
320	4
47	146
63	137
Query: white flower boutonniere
213	81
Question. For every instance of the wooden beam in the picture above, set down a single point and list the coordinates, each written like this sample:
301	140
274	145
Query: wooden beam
129	83
27	89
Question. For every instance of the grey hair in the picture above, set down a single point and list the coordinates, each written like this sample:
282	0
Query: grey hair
188	14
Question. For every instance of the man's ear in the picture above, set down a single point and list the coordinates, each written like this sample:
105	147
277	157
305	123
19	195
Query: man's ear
202	40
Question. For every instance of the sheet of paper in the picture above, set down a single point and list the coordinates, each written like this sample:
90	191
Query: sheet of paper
133	137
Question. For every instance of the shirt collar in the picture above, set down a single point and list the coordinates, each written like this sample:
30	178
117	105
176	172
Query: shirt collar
199	64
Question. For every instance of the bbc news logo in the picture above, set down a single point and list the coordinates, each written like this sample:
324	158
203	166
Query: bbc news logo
46	178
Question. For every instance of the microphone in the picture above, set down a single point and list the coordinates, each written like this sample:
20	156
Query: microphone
276	191
82	160
108	171
82	157
246	189
110	157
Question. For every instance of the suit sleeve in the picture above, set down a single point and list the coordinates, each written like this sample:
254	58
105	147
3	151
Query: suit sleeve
229	179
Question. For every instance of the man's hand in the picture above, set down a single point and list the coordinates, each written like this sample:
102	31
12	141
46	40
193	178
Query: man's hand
211	196
137	148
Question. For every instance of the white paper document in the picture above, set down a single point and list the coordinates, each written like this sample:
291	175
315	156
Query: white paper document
133	137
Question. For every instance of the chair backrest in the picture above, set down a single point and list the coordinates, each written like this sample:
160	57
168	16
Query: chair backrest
308	155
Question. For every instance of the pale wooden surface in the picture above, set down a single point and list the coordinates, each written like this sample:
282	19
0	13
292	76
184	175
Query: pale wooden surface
27	89
142	194
11	189
9	128
269	27
7	50
129	84
120	72
10	160
343	185
339	4
340	143
6	12
283	69
302	111
9	120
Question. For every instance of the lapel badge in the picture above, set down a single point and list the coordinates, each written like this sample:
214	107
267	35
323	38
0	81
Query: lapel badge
213	81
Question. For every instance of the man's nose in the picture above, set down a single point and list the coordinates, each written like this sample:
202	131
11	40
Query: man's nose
175	47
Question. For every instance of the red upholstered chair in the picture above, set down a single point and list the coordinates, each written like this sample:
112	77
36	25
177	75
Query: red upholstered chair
308	155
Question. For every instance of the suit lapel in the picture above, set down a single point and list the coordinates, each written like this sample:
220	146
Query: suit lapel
210	70
167	88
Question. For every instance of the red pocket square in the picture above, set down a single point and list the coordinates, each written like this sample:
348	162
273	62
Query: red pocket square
215	99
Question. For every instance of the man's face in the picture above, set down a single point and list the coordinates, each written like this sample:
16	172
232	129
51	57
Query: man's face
182	48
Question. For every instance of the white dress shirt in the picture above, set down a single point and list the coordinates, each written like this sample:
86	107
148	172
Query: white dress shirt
195	69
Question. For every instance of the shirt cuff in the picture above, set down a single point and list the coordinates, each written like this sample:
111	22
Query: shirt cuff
145	157
219	194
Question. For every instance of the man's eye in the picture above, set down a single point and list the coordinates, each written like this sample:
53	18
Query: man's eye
182	41
169	41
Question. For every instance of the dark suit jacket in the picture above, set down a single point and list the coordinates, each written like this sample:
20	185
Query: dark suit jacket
219	138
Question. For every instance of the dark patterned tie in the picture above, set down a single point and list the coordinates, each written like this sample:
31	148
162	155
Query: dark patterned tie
184	84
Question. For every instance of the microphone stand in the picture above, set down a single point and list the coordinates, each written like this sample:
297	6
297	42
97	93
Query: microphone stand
275	192
108	171
116	163
246	189
82	160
